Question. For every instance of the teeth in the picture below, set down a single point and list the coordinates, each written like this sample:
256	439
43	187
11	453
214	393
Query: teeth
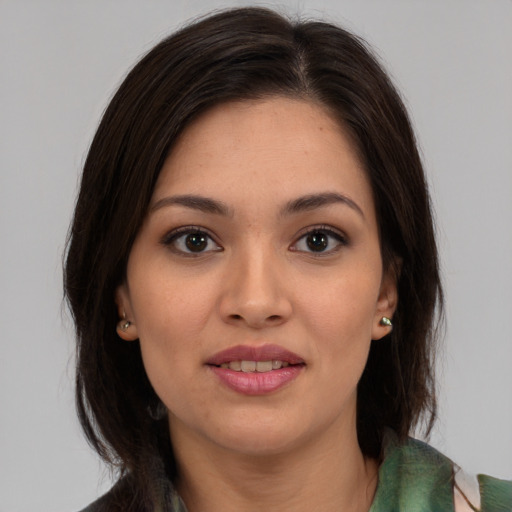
255	366
235	365
248	366
263	366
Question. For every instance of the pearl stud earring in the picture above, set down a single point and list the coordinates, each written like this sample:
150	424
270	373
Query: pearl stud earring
386	322
124	324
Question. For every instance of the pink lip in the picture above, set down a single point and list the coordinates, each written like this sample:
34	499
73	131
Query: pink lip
247	353
255	383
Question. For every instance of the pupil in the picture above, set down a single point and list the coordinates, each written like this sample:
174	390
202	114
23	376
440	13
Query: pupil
196	242
317	241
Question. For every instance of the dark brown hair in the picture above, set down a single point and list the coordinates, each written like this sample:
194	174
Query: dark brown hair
242	54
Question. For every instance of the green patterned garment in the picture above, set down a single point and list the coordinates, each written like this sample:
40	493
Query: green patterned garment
413	477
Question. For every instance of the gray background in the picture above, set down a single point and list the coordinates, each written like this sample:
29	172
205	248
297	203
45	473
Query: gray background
61	60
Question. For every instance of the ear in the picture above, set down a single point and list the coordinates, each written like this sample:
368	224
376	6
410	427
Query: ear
126	328
386	303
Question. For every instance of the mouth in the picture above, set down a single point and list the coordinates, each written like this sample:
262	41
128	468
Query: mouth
255	366
256	370
265	358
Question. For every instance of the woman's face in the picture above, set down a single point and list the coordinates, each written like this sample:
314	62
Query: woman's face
255	284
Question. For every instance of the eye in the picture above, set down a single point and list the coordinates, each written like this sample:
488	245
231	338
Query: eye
320	240
190	241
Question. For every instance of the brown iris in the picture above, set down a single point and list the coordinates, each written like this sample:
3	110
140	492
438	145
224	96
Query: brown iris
317	241
196	242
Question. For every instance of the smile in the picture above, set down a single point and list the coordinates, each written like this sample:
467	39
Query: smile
255	366
256	370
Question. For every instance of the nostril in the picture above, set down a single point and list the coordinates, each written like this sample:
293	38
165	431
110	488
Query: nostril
271	318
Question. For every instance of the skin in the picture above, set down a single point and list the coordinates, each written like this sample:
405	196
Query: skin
256	282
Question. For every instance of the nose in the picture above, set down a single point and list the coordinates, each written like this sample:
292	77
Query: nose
254	292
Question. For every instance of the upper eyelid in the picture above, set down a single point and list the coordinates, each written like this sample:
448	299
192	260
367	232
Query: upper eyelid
183	230
173	235
320	227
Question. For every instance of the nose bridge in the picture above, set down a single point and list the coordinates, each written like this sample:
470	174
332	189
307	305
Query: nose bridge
255	292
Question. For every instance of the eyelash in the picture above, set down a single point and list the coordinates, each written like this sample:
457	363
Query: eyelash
171	239
340	240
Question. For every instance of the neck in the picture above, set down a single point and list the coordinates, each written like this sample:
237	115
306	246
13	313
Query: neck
328	473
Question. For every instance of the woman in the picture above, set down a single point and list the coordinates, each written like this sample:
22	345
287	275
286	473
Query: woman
254	279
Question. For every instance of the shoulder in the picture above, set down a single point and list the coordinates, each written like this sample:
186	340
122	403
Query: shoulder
414	474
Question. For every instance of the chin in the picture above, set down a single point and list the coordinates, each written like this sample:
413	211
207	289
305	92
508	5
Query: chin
261	445
261	438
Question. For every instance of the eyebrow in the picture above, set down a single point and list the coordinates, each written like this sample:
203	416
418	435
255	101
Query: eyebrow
313	201
203	204
302	204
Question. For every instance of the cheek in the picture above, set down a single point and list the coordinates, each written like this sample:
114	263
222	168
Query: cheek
169	305
343	321
340	315
343	307
169	326
169	317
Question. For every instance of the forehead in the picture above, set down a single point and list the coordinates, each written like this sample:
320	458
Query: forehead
249	149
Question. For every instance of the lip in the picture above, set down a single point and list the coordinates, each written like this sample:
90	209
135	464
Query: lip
255	383
251	353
